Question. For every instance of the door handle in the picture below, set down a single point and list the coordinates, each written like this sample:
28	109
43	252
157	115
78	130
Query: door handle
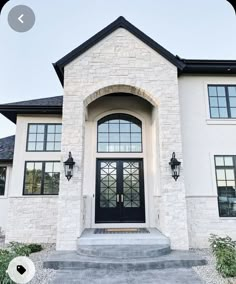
122	198
117	198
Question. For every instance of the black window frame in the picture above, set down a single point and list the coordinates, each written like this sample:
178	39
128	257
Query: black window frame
224	167
4	189
45	137
228	107
121	116
42	179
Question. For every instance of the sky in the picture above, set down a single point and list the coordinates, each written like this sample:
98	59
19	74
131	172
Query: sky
196	29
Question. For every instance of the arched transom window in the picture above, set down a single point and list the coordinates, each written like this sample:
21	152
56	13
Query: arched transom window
119	133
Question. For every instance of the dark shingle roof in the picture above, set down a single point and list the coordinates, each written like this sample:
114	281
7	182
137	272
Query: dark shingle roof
52	105
52	101
7	148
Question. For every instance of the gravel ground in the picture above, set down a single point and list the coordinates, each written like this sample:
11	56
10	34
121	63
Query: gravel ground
42	276
208	272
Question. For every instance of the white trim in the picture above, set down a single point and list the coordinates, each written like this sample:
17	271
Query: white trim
201	196
222	121
215	81
8	178
119	225
35	196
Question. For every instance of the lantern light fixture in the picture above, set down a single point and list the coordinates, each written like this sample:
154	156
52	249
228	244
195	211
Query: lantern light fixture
68	166
175	167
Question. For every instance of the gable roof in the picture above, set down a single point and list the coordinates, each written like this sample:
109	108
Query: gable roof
52	105
7	149
121	22
185	66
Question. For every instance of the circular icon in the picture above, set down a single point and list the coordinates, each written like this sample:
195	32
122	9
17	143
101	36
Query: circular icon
21	270
21	18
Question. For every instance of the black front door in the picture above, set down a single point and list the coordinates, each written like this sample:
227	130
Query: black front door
120	191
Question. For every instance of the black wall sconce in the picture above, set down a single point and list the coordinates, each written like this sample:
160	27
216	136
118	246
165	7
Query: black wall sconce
68	166
175	167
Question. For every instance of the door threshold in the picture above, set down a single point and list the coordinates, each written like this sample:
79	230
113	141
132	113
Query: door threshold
119	225
122	231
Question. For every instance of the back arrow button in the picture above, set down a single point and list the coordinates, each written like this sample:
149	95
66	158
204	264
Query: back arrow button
20	18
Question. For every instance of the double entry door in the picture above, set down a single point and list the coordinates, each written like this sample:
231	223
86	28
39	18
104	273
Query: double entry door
120	191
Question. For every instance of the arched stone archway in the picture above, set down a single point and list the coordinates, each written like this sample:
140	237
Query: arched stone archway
170	205
120	88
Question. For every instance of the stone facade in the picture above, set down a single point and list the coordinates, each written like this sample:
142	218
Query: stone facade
204	220
175	118
32	219
122	63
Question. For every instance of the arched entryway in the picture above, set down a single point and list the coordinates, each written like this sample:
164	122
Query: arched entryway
118	179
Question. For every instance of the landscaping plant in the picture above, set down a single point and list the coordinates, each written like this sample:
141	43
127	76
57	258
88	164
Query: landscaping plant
12	251
224	249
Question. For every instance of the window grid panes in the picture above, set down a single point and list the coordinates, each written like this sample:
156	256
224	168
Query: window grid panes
3	171
222	101
42	178
120	133
44	137
225	178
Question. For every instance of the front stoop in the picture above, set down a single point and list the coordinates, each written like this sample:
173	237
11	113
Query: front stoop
129	252
65	260
155	237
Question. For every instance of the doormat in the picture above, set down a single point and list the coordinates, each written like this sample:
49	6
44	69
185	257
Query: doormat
122	231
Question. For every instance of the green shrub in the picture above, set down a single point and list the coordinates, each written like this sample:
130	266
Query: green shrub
224	249
35	248
5	257
12	251
20	249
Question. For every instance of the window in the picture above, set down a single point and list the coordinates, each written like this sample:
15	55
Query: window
42	178
120	133
3	172
44	137
225	177
222	100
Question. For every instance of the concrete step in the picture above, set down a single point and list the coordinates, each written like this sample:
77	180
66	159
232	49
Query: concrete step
88	238
124	252
72	261
119	276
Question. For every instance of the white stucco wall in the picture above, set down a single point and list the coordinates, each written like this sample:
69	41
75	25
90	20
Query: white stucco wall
202	139
4	199
122	63
30	218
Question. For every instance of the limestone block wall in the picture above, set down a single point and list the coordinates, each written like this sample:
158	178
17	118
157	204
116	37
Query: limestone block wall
204	220
4	199
122	63
32	219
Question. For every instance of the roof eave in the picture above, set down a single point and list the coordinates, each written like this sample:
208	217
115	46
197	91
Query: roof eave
210	67
11	111
6	161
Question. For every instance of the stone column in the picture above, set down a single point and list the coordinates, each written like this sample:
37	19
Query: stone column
173	209
70	205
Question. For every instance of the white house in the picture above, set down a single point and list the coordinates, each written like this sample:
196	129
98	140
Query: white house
128	104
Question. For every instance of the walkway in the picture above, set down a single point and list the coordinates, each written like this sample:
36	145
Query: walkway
110	276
